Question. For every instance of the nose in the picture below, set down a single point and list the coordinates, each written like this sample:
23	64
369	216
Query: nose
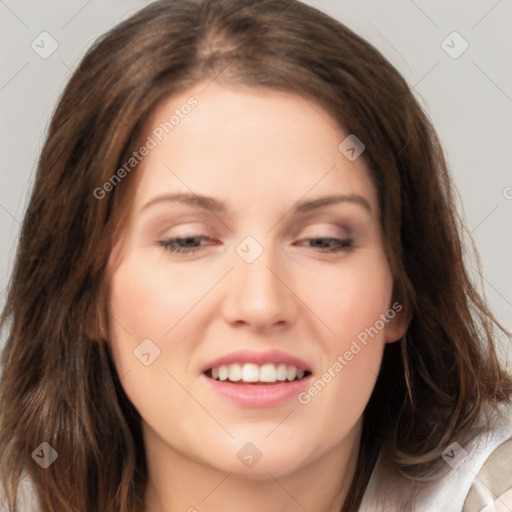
260	295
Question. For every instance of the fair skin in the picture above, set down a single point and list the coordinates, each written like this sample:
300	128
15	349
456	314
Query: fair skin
259	152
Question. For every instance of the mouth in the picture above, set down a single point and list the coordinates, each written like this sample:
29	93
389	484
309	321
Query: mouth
257	375
257	379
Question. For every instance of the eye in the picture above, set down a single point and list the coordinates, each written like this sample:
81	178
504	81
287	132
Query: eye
331	245
190	244
185	245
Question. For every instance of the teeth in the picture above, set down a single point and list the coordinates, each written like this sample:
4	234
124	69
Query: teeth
291	372
235	372
223	372
250	372
282	372
268	373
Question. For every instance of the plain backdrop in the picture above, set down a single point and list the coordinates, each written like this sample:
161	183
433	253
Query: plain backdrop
456	55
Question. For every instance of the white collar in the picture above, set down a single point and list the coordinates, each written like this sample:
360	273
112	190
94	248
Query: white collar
388	490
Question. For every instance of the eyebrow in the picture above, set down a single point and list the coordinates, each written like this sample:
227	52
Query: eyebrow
216	206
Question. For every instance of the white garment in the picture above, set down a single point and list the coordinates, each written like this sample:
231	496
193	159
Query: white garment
27	499
502	504
389	491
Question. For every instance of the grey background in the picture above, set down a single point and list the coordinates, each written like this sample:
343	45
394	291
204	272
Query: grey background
468	98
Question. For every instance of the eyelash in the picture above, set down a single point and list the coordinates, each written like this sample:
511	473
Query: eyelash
171	244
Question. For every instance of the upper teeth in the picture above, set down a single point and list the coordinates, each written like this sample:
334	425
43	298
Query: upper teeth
250	372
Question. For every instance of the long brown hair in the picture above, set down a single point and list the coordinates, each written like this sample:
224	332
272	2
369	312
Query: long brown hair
58	383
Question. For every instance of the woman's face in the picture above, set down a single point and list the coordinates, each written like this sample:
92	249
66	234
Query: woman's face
272	283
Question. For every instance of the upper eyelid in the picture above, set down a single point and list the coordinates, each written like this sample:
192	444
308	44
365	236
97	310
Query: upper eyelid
354	207
345	233
341	244
338	221
327	223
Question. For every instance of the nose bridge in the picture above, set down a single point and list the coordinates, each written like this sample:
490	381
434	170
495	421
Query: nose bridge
257	294
258	266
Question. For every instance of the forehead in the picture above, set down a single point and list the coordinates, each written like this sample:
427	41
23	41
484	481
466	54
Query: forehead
245	146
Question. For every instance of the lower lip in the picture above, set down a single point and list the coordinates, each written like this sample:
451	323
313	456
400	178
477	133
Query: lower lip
259	395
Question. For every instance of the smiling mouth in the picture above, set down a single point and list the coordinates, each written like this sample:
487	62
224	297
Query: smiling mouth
250	373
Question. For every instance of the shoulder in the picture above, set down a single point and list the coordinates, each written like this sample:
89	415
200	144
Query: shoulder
465	487
491	489
27	497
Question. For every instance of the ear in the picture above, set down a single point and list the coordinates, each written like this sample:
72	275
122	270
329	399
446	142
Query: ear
398	322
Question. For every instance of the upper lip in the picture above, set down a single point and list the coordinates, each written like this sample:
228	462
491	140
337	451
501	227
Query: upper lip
259	358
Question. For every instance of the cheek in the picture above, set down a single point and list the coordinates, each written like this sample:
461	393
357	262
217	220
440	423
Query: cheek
144	305
141	307
147	301
350	299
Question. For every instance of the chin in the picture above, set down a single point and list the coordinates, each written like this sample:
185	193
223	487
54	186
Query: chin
256	459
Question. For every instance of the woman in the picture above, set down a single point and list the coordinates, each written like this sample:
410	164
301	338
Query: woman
240	285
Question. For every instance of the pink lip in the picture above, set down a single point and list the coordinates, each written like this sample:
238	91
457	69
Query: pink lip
259	358
258	395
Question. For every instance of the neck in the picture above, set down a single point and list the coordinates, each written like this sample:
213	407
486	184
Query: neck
177	483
